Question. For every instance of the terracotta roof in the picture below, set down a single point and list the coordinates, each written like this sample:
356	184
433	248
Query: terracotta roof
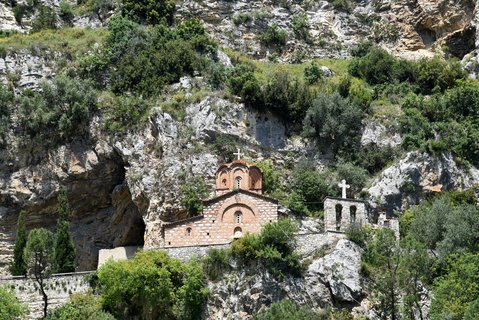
174	223
233	192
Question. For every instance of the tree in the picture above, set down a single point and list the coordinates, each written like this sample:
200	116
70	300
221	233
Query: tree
152	286
456	292
382	254
193	192
333	120
84	306
149	11
38	256
17	268
10	307
64	249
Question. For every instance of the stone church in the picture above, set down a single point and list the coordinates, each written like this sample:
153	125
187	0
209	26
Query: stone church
238	207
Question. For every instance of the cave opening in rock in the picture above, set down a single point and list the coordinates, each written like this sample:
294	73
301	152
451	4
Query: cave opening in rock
135	234
427	35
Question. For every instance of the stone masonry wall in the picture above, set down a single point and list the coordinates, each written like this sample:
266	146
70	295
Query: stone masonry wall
335	222
58	289
218	224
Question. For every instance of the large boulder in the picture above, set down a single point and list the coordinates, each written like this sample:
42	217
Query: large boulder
340	271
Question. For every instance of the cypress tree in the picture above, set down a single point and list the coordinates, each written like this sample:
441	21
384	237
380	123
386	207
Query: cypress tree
17	267
64	249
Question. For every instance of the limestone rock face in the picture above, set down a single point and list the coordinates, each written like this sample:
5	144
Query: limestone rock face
380	135
334	277
406	181
340	270
25	70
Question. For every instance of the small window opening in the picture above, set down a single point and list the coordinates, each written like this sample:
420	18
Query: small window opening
352	217
169	243
238	182
188	232
339	214
238	217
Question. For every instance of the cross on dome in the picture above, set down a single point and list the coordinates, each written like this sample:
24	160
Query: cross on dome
239	154
344	186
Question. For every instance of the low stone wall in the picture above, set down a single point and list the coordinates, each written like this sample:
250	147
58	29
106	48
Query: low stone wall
186	253
58	289
308	243
117	254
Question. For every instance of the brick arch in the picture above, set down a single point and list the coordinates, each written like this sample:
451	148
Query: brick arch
244	209
238	200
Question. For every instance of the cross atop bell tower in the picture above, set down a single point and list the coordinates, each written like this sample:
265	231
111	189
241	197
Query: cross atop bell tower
239	154
343	186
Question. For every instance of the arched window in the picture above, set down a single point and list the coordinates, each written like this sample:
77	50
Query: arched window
188	232
224	183
339	216
237	233
238	217
352	214
238	182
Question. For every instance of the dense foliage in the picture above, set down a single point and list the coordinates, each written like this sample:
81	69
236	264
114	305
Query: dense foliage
272	248
152	286
10	307
17	267
438	250
63	248
38	256
194	191
58	112
149	11
285	309
80	307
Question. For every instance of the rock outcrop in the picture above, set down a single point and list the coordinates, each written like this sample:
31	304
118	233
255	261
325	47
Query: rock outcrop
405	182
332	279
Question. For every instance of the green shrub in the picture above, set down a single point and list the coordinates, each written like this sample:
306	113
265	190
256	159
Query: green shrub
57	113
437	75
10	306
83	306
149	11
242	18
343	5
334	121
285	309
66	11
456	292
6	105
194	191
310	187
300	26
216	263
272	248
354	175
151	286
376	67
358	234
124	112
20	10
287	96
46	19
313	73
242	82
274	36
